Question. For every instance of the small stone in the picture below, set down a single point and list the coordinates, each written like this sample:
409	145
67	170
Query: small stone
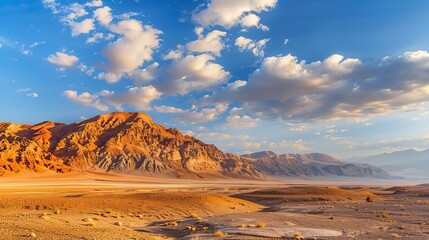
88	220
118	224
33	235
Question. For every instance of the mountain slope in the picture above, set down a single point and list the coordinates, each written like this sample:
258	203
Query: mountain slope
314	164
405	162
120	142
132	143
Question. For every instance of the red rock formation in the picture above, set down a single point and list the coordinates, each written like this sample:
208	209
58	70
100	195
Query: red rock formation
118	142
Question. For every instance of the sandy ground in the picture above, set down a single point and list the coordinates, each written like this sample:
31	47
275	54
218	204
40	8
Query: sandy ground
102	206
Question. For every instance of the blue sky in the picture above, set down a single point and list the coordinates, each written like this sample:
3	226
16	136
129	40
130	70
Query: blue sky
347	78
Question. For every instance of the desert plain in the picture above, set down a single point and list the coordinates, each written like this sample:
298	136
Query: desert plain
89	205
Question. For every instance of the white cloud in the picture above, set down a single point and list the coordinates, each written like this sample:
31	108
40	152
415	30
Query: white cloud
63	60
94	3
99	36
193	73
257	48
28	51
141	76
87	70
227	13
28	92
138	97
211	43
76	11
83	27
210	137
239	121
335	88
131	50
103	15
286	41
51	4
297	127
85	99
32	94
193	116
174	54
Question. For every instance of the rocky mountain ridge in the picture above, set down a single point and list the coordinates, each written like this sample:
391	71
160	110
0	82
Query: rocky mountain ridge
132	143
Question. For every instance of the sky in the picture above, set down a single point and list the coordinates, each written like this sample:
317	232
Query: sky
347	78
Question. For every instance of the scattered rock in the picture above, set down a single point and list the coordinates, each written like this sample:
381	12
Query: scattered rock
118	224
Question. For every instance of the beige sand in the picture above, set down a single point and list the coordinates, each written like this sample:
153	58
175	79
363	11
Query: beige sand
103	206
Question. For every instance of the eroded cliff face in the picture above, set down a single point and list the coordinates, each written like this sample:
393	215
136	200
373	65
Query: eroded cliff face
19	152
119	142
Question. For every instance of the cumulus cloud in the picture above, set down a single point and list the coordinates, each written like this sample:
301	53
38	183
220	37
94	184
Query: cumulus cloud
94	3
194	115
246	44
52	5
193	73
236	120
227	13
76	11
131	50
86	99
96	37
103	15
174	54
211	43
141	76
82	27
334	88
137	97
63	60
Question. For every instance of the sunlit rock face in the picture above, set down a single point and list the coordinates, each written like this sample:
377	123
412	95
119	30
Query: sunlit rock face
118	142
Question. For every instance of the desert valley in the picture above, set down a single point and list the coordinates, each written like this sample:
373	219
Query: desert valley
214	119
122	176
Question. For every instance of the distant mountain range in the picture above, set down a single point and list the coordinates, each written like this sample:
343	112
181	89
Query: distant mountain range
408	162
313	164
131	143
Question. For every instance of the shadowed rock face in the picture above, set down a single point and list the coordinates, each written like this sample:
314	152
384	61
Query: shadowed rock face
132	143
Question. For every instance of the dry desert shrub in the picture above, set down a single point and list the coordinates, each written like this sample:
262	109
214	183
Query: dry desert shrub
260	225
218	233
298	235
173	224
57	211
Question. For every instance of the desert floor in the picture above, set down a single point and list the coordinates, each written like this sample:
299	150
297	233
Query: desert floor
101	206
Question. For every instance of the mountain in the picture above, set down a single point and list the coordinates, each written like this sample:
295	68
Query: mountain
407	162
117	142
313	164
132	143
